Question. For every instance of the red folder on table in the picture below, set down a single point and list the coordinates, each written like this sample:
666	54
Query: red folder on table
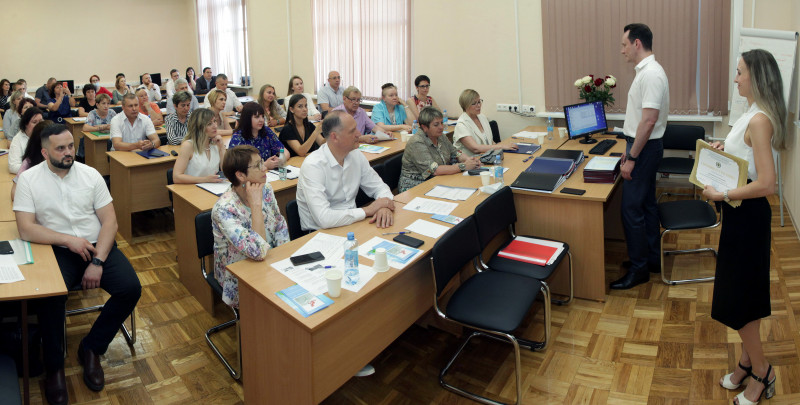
532	250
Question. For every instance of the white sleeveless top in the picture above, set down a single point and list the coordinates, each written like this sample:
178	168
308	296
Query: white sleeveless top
201	166
735	145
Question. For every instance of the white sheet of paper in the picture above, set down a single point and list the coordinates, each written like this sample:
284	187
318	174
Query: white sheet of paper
451	193
382	136
312	276
292	172
215	188
717	170
529	134
429	206
79	119
9	271
427	228
365	273
368	250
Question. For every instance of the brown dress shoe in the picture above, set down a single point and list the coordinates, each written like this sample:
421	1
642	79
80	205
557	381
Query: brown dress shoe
55	388
92	370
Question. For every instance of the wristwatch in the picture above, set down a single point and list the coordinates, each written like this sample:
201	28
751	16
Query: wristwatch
97	262
462	166
725	196
630	157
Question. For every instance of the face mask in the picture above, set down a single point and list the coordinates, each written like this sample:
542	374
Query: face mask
97	86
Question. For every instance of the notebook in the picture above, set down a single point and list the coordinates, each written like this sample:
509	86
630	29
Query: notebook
541	182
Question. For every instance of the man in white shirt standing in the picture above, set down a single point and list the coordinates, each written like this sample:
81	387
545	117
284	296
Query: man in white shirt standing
331	177
132	130
153	90
66	204
330	96
645	122
231	101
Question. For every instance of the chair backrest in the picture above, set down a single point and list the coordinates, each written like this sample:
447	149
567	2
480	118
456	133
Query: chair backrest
494	215
293	220
495	131
391	171
204	235
683	137
362	198
169	177
455	248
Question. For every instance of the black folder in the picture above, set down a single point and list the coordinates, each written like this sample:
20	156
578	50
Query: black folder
575	155
543	182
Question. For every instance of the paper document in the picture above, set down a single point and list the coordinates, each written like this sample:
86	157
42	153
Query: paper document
372	148
383	136
429	206
718	169
79	119
427	228
451	193
215	188
602	163
292	172
9	271
529	134
22	251
312	276
399	255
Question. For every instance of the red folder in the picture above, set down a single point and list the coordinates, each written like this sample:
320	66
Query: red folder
528	252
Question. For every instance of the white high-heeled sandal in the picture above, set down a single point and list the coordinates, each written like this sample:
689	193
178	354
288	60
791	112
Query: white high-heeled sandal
728	384
768	391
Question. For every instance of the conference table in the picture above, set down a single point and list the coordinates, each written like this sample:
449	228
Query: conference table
42	279
291	359
190	200
95	147
138	184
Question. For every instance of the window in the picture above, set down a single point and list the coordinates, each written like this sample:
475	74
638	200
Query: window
222	34
368	42
690	40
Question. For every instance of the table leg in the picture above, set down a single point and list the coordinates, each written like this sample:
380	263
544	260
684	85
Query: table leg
25	366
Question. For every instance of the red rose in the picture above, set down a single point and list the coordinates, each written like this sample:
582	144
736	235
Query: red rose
592	76
598	82
587	88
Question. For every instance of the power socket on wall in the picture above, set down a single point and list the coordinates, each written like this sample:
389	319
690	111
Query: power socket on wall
529	109
508	107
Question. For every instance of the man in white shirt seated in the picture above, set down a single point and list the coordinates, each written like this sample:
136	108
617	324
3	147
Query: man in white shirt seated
330	96
153	89
179	86
231	101
132	130
174	75
66	204
331	177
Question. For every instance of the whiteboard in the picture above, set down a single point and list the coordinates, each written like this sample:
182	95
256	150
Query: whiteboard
782	45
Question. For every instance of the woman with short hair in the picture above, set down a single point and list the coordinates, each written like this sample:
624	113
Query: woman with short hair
473	135
176	124
391	111
421	100
89	100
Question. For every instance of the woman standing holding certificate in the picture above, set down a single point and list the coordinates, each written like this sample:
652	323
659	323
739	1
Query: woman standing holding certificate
741	287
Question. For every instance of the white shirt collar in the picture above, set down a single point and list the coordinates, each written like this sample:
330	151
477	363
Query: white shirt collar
644	62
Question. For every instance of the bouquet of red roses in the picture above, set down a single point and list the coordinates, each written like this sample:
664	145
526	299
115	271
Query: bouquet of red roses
596	89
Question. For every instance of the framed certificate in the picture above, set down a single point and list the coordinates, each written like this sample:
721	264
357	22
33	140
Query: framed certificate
719	169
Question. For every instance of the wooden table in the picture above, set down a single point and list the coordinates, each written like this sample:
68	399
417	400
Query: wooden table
6	208
5	175
94	151
76	128
42	279
138	184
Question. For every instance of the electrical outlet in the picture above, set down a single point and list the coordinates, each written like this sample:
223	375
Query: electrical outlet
506	107
529	109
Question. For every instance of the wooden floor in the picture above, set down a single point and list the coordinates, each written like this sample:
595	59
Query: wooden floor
650	345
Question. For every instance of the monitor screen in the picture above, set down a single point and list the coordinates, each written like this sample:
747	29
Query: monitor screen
154	77
585	119
70	84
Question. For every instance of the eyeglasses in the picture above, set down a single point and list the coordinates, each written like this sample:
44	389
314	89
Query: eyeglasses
477	102
424	86
355	100
259	166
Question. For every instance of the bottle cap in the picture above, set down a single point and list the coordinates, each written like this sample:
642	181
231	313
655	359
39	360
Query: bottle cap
351	236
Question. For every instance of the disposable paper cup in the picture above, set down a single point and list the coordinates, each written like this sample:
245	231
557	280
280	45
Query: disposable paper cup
381	262
485	178
541	139
562	132
334	278
404	136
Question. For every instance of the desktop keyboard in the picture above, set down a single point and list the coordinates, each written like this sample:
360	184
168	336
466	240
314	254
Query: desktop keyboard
602	147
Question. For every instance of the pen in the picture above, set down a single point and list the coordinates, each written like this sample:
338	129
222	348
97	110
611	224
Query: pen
527	158
397	233
329	267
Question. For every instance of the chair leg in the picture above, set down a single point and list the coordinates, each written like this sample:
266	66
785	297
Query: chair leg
473	396
128	334
669	281
235	373
571	287
535	345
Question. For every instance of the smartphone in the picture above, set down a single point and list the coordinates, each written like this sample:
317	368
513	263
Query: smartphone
408	241
307	258
575	191
5	248
64	84
616	154
476	172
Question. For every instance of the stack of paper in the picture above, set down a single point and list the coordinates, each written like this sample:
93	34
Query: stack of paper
372	148
451	193
601	169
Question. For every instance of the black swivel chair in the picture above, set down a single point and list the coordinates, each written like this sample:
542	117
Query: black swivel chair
490	303
680	137
495	131
391	171
205	247
293	221
497	213
686	215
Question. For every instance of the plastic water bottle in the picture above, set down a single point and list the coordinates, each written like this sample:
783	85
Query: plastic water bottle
351	259
414	128
498	168
549	128
444	117
282	167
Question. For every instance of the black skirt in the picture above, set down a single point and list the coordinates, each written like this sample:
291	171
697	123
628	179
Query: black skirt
741	285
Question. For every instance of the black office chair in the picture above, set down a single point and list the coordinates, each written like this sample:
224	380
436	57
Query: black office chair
205	247
169	181
686	215
293	221
491	303
9	382
497	213
117	109
495	131
362	198
391	171
680	137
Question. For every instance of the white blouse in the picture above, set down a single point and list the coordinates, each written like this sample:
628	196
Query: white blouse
466	127
200	165
312	108
735	145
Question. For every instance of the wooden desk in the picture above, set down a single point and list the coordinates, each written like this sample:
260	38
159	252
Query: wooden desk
6	208
42	279
76	128
138	184
5	175
94	150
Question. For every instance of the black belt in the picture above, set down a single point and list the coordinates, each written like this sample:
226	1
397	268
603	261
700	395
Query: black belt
631	139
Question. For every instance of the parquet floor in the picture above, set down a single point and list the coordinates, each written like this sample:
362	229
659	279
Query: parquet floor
650	345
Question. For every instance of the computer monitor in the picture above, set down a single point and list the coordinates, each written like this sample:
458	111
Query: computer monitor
70	85
585	119
155	77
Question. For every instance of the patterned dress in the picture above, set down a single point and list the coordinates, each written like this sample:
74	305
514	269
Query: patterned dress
267	142
235	240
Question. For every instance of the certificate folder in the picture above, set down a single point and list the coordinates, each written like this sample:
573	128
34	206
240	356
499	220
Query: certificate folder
532	250
152	153
551	166
719	169
525	148
574	155
542	182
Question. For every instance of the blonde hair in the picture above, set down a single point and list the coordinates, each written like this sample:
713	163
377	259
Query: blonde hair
466	98
273	107
350	90
766	86
196	128
214	95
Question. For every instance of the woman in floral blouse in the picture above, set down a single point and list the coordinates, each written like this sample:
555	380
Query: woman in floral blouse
246	220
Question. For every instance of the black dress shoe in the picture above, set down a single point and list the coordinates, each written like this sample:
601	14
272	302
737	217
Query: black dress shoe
55	388
631	280
92	370
653	267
